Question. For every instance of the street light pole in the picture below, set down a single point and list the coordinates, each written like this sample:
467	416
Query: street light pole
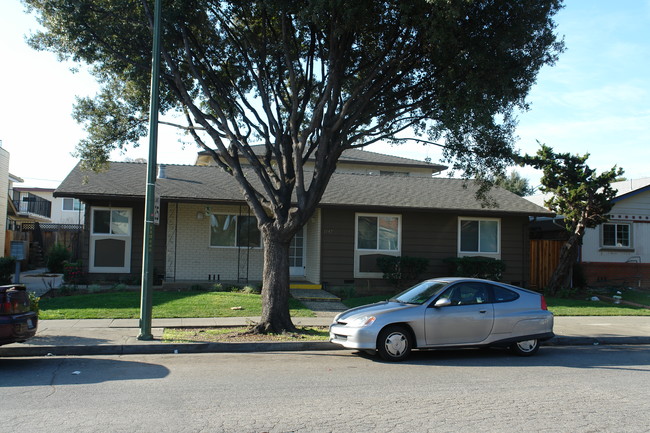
150	197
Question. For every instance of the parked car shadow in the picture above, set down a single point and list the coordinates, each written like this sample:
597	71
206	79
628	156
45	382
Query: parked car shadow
636	357
55	371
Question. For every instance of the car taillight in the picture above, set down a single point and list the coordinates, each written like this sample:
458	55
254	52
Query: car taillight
544	307
5	308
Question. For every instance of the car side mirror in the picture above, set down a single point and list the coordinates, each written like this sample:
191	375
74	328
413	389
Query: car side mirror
442	302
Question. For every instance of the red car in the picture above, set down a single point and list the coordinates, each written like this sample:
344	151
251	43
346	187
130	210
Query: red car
17	321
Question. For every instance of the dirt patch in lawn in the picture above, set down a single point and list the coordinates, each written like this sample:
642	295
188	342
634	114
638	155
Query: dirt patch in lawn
241	335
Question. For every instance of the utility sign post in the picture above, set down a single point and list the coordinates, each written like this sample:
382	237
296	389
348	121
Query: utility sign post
150	198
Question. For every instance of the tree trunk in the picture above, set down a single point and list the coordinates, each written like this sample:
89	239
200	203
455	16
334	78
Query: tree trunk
561	277
275	284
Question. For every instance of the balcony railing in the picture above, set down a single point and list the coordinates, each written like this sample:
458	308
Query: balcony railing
32	204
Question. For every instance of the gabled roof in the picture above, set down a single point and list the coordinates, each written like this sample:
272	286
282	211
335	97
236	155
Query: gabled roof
186	183
624	189
366	157
629	188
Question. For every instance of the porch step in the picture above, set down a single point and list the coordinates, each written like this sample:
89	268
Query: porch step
313	295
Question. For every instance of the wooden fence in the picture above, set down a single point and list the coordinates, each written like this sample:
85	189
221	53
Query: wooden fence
544	257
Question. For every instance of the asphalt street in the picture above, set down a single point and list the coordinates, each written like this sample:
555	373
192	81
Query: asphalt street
562	389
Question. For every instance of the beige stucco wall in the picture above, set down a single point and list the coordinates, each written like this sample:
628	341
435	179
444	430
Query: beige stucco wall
313	243
4	192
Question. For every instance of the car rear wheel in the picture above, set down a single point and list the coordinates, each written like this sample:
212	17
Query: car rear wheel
394	343
526	347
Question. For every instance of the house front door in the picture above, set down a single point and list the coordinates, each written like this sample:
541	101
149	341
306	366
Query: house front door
297	255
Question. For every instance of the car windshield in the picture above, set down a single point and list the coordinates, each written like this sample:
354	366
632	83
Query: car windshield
420	293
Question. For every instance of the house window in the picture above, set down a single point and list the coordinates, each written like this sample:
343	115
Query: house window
234	231
376	236
72	204
110	240
479	235
378	232
616	235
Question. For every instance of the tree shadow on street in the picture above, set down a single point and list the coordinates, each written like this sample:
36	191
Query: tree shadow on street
56	371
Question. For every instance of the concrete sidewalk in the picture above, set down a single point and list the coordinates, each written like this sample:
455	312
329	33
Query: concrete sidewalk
119	336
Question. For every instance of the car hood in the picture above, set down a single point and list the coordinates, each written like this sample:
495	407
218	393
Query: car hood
379	308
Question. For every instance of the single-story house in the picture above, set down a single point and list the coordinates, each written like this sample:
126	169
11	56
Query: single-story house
374	205
615	252
618	251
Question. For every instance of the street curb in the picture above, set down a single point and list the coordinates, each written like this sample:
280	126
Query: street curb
168	348
181	348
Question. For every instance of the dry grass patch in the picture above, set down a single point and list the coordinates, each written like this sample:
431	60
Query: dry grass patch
241	334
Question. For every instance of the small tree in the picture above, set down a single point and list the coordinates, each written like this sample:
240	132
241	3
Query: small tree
515	183
581	196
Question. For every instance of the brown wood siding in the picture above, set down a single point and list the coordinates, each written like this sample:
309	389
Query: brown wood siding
433	236
137	238
544	258
337	247
430	236
514	250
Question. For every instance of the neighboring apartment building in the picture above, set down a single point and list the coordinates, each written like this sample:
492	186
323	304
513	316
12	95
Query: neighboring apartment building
4	196
616	252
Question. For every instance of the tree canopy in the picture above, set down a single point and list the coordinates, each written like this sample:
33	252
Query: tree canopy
577	193
306	79
514	183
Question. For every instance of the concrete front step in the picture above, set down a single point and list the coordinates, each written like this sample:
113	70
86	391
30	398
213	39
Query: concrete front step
313	295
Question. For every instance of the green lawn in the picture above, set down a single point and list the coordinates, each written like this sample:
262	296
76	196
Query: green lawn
575	307
126	305
559	306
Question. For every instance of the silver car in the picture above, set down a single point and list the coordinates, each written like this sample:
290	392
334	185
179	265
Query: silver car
447	313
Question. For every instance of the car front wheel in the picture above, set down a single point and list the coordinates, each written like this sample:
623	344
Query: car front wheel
394	343
526	347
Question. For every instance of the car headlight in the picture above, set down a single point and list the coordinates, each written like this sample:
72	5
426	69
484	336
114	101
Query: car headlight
361	321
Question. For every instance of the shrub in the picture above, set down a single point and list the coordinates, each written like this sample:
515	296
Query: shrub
56	258
34	302
401	271
73	273
476	267
7	268
344	292
255	290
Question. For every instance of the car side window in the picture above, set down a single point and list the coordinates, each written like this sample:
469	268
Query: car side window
468	293
501	294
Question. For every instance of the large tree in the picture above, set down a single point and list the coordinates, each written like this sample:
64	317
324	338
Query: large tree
307	79
577	193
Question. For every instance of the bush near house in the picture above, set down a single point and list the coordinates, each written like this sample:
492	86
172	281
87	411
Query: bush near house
476	267
73	273
7	268
56	258
402	270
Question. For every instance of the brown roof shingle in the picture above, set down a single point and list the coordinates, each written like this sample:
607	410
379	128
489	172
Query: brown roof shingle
210	183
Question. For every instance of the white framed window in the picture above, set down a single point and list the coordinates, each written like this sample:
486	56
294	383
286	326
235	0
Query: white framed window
72	204
479	236
110	240
378	232
375	235
228	230
616	235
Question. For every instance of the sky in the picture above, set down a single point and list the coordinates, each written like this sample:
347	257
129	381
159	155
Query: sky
595	100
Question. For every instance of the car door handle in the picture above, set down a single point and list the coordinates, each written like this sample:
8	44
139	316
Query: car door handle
483	311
